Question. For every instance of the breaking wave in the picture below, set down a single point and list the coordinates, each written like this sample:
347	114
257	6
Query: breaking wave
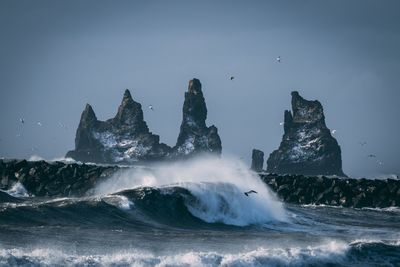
216	187
330	253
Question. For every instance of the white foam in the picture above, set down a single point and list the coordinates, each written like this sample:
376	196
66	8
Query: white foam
35	158
17	190
218	184
331	251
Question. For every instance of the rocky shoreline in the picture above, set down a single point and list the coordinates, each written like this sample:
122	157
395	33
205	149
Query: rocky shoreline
53	179
58	179
346	192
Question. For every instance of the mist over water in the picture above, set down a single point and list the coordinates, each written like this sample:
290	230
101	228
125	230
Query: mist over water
218	185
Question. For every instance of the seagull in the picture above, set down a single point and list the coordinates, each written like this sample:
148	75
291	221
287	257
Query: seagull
22	120
281	123
371	156
40	124
249	192
278	59
231	78
333	131
151	107
362	143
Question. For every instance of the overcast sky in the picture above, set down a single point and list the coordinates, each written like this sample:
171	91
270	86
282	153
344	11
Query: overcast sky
56	56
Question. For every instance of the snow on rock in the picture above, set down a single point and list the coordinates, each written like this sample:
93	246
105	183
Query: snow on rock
307	145
122	139
195	137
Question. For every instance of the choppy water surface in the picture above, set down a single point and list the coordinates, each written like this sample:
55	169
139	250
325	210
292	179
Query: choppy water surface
193	214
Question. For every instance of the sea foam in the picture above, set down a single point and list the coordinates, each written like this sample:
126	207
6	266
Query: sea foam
218	184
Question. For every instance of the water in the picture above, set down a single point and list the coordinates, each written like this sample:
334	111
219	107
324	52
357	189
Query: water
191	214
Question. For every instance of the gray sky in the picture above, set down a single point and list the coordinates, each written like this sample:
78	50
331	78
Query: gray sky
55	56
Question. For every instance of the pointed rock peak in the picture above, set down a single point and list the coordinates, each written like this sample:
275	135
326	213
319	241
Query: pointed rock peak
295	94
127	101
88	113
127	95
194	86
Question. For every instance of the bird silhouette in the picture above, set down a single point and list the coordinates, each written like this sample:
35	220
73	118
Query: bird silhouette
22	120
151	107
231	78
249	192
278	59
371	156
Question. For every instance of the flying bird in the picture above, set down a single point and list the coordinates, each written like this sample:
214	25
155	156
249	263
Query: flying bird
278	59
151	107
249	192
333	131
281	123
362	143
40	124
231	78
22	120
371	156
379	162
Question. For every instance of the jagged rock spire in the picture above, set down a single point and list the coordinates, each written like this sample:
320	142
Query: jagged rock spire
124	138
195	137
307	145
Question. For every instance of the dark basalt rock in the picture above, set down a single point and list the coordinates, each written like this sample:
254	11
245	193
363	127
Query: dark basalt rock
257	160
194	136
307	145
55	179
346	192
41	178
122	139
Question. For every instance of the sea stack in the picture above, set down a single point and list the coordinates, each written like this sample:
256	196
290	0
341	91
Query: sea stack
122	139
257	160
194	136
307	145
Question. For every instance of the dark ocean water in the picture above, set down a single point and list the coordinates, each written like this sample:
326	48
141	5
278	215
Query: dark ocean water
192	224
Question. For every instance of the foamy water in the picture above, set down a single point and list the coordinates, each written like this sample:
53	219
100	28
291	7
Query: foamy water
218	184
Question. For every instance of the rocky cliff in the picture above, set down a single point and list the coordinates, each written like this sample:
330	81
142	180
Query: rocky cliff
307	145
122	139
195	137
257	160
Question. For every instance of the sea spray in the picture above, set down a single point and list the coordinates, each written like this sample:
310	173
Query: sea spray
218	185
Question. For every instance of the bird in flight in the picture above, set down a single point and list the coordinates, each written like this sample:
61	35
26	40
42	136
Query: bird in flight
371	156
231	78
151	107
362	143
278	59
40	124
333	131
22	120
249	192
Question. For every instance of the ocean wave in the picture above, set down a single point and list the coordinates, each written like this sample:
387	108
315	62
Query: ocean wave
330	253
184	205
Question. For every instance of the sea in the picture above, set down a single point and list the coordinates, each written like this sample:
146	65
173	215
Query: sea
191	213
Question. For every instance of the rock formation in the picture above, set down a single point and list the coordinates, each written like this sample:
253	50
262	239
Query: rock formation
346	192
307	145
195	137
257	160
58	179
122	139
